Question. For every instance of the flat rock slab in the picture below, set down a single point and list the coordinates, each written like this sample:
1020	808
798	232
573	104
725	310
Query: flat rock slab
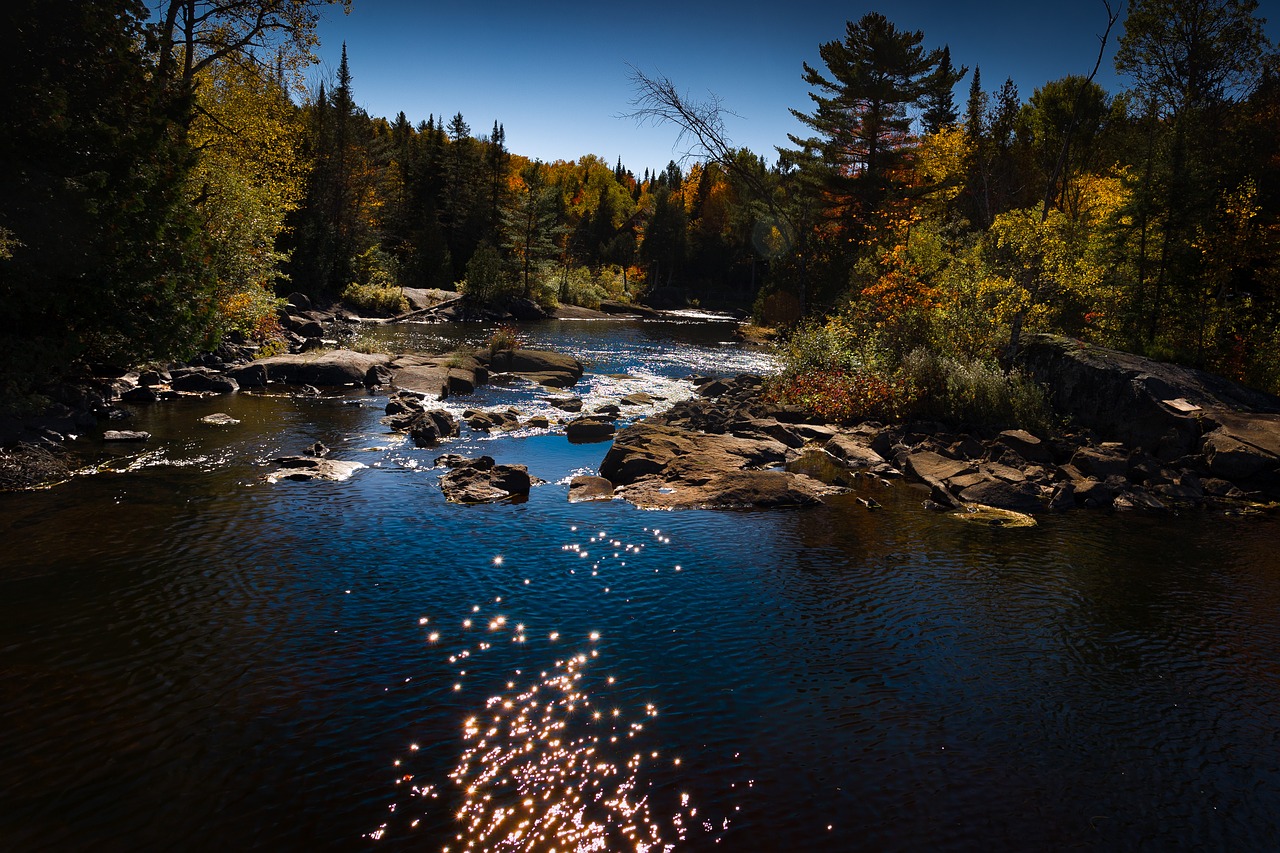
302	468
125	435
337	367
219	419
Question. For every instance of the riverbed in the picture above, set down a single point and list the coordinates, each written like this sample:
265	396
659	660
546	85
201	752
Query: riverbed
193	658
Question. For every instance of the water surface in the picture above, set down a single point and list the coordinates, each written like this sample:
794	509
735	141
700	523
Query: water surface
195	659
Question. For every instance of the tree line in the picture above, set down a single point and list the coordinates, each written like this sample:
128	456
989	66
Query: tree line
170	179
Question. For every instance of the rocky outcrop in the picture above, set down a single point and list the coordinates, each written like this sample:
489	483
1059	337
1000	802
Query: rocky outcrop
480	480
440	376
1162	409
654	465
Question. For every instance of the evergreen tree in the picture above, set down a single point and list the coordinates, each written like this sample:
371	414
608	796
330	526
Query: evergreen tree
873	76
938	98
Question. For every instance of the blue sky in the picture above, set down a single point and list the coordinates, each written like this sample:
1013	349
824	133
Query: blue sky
555	73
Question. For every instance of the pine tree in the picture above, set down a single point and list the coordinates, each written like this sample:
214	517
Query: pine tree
938	99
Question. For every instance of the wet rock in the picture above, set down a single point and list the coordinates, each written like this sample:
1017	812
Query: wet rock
476	481
639	398
486	421
429	428
588	488
608	410
141	394
126	435
219	419
589	428
566	404
538	422
552	369
302	468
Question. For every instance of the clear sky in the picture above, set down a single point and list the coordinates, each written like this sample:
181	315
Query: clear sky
556	73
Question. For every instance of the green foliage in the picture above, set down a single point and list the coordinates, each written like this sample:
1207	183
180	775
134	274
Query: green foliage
505	338
487	281
107	251
374	288
972	392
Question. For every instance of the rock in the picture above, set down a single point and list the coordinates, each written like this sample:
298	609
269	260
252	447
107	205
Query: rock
204	381
318	450
588	488
303	468
1243	448
526	310
1019	497
538	422
219	419
853	452
443	376
450	460
299	301
589	428
566	404
429	428
1100	463
609	410
125	435
551	369
141	394
481	481
639	398
335	367
148	378
613	307
1144	403
1026	445
485	421
696	487
1093	493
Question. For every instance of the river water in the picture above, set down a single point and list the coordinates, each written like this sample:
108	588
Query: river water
192	658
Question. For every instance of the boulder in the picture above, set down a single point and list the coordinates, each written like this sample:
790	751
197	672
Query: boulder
1026	445
335	367
1100	462
589	428
566	404
440	376
551	369
588	488
639	398
646	448
204	382
219	419
429	428
1243	447
695	486
474	481
853	452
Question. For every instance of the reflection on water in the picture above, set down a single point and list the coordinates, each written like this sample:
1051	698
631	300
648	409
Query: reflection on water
191	658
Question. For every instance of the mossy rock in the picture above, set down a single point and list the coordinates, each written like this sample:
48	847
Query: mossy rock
989	516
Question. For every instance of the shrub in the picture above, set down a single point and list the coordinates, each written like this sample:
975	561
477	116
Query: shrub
844	396
504	338
375	298
973	392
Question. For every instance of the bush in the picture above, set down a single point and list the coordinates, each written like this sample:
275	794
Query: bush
504	338
973	392
487	281
844	396
375	298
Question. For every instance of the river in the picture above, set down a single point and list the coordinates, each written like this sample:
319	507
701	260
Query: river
192	658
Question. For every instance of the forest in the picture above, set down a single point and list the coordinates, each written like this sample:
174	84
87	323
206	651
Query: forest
169	176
